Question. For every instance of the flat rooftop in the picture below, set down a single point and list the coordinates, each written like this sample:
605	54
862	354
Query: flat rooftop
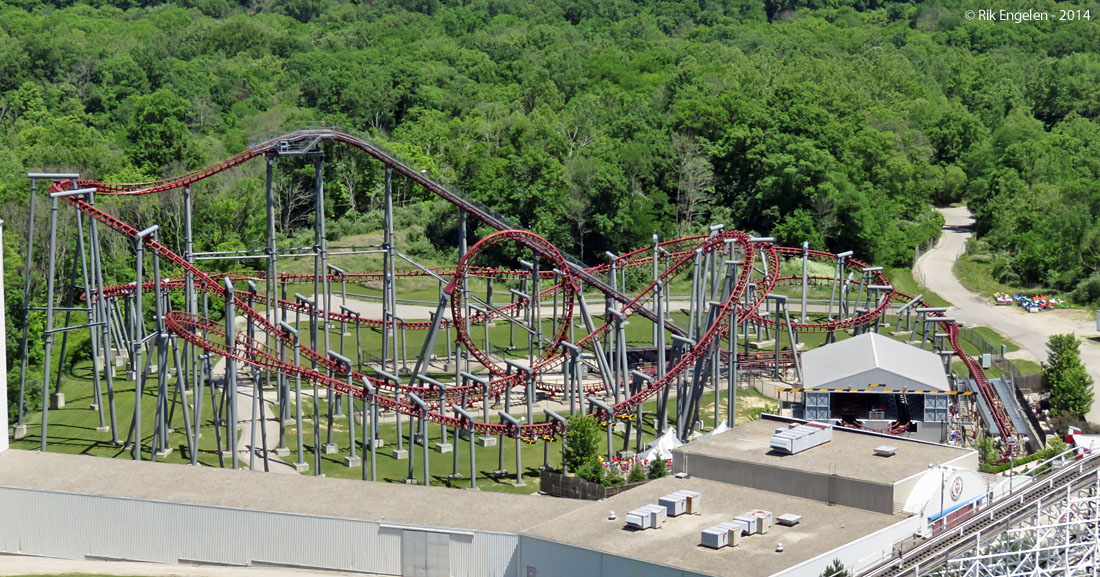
823	528
307	495
572	522
849	454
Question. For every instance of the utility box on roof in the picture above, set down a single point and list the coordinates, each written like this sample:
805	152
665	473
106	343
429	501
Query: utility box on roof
694	504
800	438
714	537
639	519
676	503
789	519
658	515
735	531
747	524
763	520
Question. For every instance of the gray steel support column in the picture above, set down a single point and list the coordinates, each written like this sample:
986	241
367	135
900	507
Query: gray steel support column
731	368
694	301
191	302
231	369
351	460
609	419
181	393
160	432
104	317
423	406
389	297
48	343
272	295
644	381
838	271
571	376
461	233
20	427
662	367
469	422
601	360
505	417
429	340
91	301
528	380
138	340
292	334
805	280
564	427
618	359
656	276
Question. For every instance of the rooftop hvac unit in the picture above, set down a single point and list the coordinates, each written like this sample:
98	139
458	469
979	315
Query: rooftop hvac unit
676	503
694	501
764	520
801	438
658	515
789	519
748	524
734	531
886	451
714	537
639	519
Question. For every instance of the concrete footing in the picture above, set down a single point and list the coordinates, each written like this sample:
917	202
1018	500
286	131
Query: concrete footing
400	454
330	448
57	401
443	447
301	467
352	461
281	451
486	441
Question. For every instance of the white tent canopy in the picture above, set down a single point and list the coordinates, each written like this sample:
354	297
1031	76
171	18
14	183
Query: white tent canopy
662	447
721	428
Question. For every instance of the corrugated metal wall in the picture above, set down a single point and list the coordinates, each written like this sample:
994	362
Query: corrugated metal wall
76	526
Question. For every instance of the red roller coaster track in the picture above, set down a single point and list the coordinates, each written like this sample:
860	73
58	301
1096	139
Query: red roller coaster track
679	252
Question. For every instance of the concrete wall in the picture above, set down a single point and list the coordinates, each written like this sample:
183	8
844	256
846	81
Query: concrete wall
71	526
845	491
545	558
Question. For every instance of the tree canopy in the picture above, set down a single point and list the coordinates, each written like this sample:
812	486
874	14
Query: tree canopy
593	123
1064	375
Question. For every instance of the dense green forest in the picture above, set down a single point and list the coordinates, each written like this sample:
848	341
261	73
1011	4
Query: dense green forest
595	123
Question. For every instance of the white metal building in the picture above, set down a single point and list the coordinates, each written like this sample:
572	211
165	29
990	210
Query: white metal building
874	378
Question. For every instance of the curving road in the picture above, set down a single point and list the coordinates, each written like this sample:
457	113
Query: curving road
934	269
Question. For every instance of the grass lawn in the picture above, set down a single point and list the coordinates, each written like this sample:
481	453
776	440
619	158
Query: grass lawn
902	279
995	338
73	430
975	272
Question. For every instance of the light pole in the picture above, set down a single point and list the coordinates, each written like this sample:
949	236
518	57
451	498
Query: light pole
1013	442
943	487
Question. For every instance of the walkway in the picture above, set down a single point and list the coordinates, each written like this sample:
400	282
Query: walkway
934	270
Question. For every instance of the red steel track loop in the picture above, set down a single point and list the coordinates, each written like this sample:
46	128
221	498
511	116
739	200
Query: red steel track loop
546	251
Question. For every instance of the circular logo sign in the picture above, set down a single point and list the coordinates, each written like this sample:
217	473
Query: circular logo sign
956	488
